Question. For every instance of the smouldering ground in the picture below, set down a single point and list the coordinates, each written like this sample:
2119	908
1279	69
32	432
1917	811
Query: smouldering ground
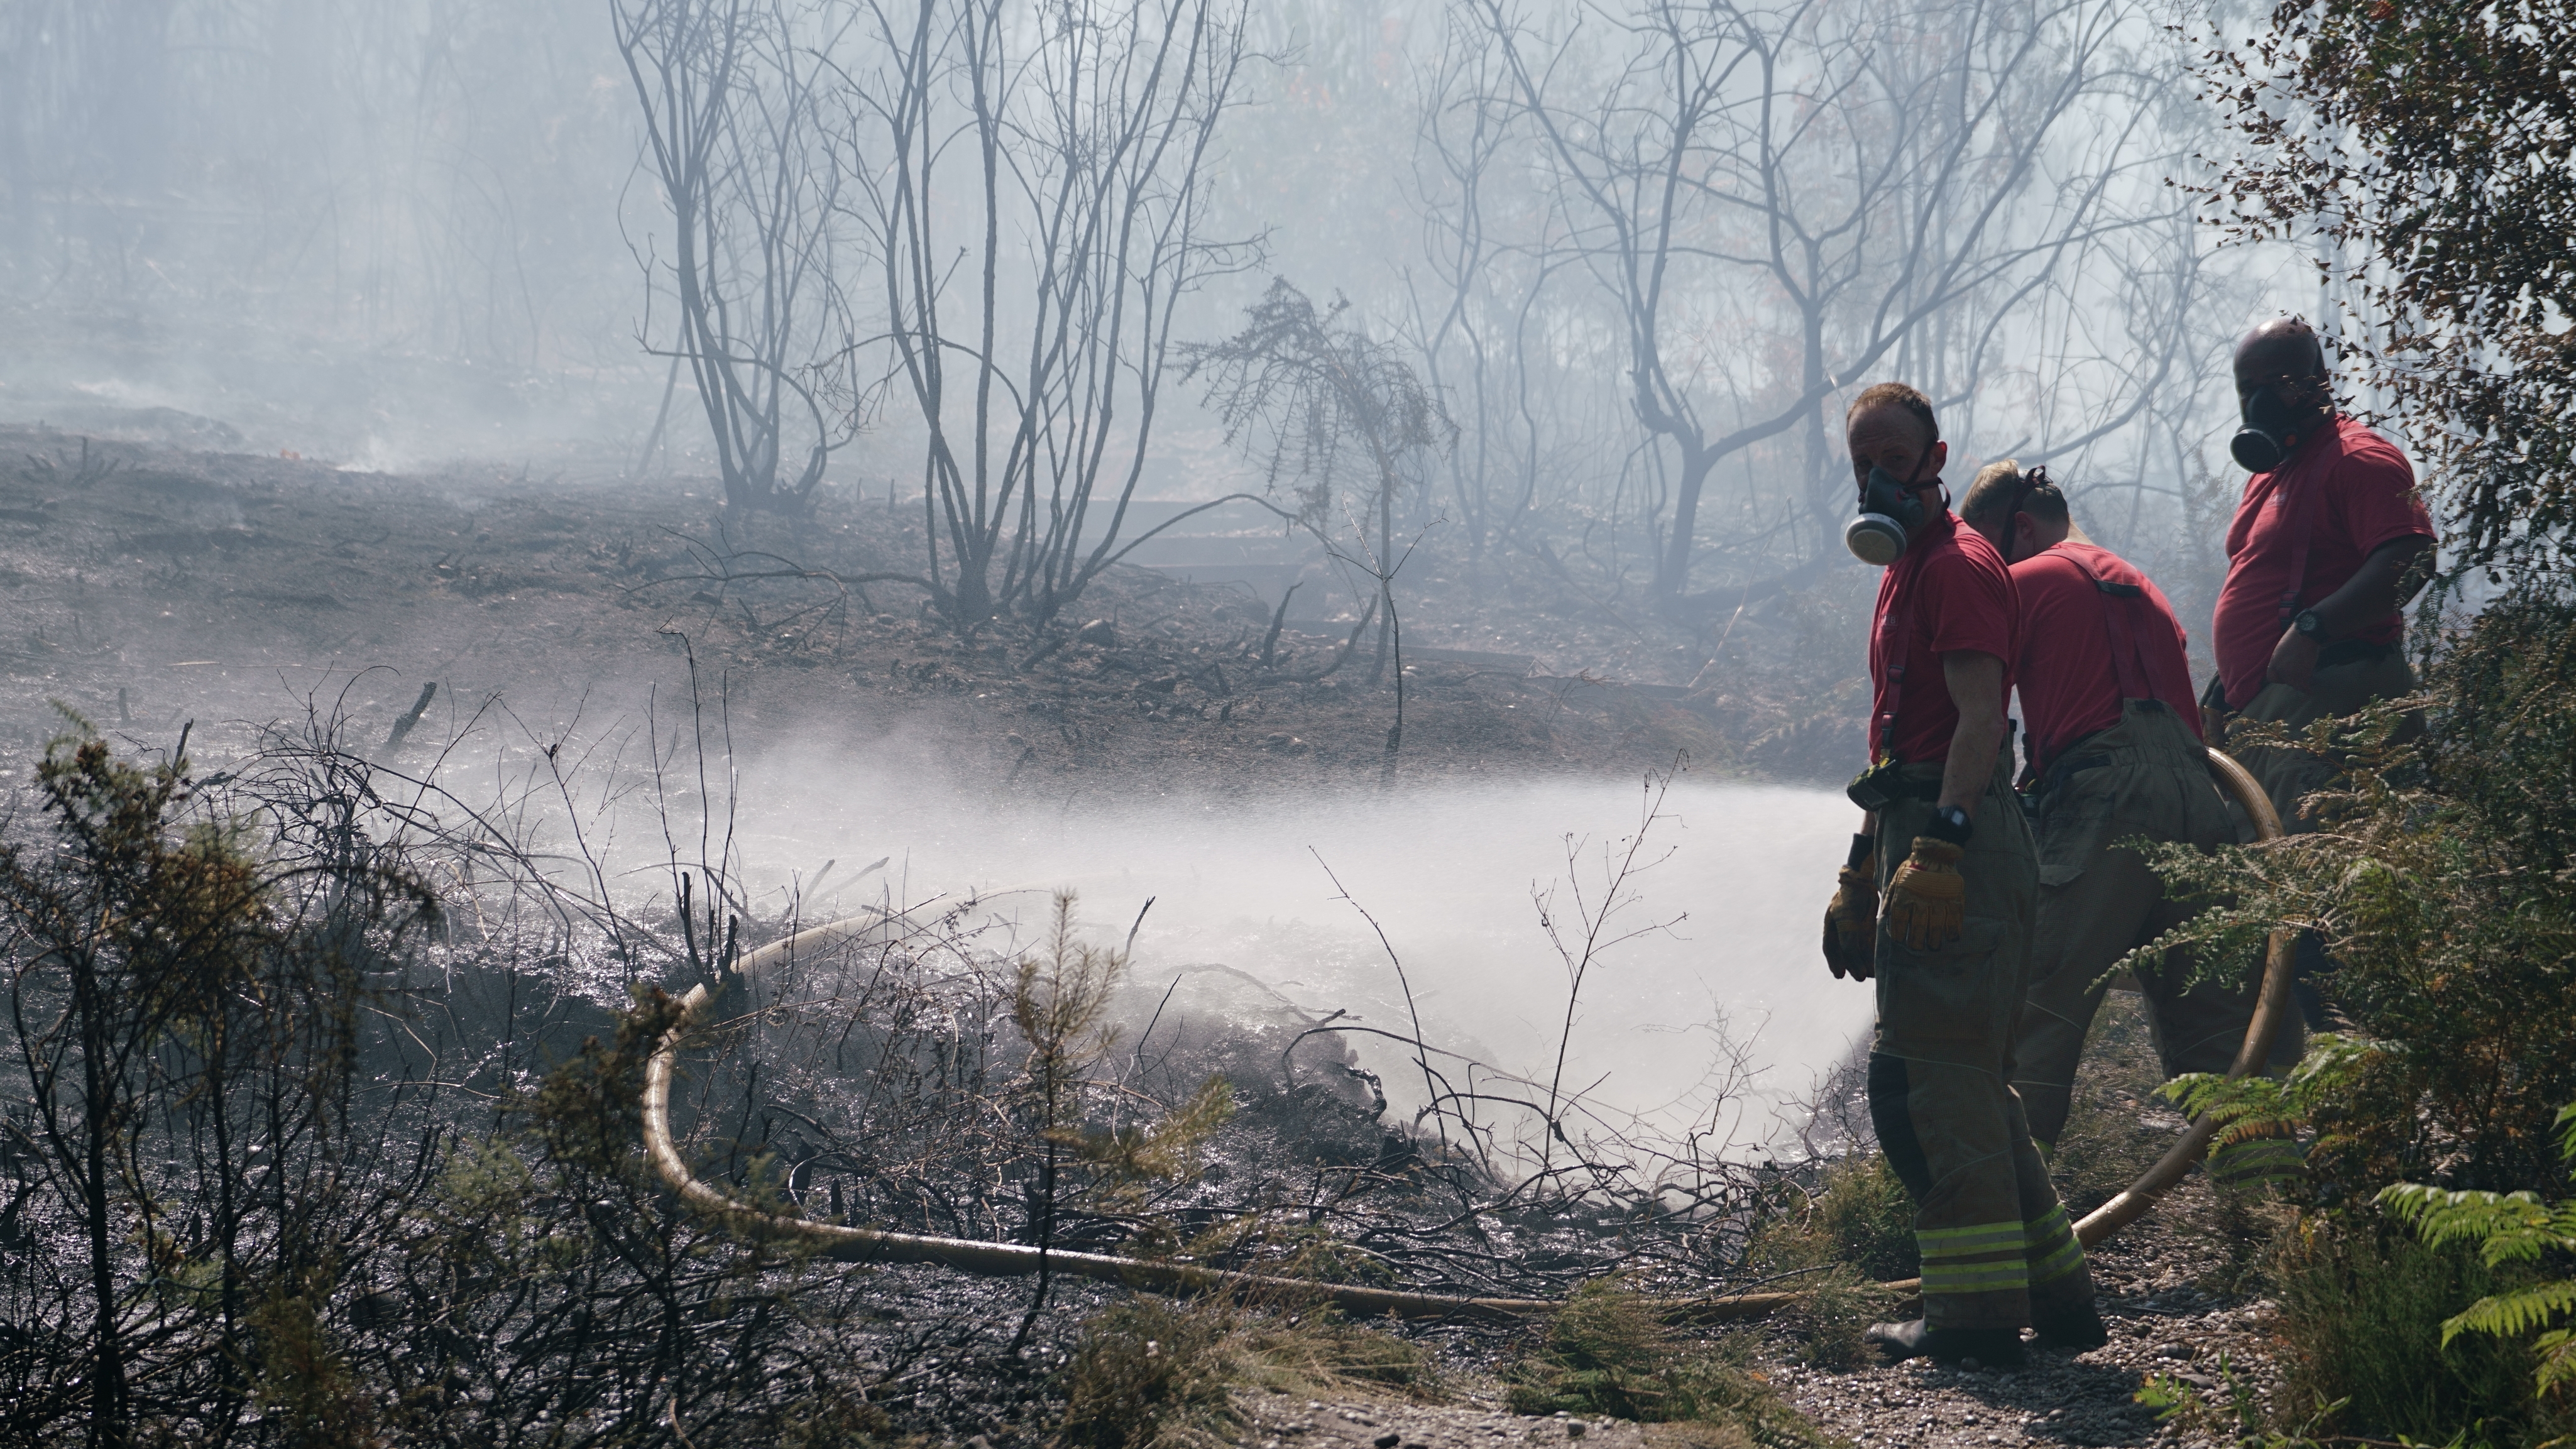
147	585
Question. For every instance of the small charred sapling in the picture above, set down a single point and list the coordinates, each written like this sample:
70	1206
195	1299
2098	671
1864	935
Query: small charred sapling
1317	400
1058	1003
1031	186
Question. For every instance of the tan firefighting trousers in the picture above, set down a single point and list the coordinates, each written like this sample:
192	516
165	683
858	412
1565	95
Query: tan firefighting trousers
2289	776
1995	1241
2146	776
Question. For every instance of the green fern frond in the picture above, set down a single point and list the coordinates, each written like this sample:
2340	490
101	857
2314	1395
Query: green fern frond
2557	1350
2511	1227
2510	1315
2332	1061
2441	1216
2208	1093
2263	1106
2567	1132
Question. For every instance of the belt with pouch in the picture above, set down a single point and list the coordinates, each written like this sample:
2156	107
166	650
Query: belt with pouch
2059	773
2038	796
2215	713
1885	784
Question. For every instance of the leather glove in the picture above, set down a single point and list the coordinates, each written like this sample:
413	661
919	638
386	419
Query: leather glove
1851	922
1927	898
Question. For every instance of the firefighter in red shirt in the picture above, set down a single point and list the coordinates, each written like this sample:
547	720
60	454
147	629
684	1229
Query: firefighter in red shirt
2328	543
2115	753
1943	839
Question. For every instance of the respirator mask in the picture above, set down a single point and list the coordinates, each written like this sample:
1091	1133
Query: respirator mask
1890	511
2272	428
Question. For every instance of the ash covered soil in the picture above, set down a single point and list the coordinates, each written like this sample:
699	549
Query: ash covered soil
2173	1293
2175	1313
147	586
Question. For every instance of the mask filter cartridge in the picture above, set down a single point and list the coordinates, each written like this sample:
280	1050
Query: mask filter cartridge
2271	430
1889	513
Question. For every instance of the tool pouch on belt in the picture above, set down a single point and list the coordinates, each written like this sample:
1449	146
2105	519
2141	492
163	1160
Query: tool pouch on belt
1884	784
1877	787
2145	776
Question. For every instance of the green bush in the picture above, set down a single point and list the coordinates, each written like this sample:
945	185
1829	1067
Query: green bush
2508	1228
1608	1353
1148	1372
2362	1317
2440	881
1857	1214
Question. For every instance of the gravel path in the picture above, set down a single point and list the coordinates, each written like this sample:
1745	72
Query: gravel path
2083	1399
2166	1320
1285	1422
2213	1349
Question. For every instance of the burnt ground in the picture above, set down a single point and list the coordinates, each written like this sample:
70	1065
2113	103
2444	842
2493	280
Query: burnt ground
2181	1291
2174	1292
2181	1308
147	586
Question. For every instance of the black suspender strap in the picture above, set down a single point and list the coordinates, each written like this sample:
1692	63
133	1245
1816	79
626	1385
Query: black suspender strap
2127	661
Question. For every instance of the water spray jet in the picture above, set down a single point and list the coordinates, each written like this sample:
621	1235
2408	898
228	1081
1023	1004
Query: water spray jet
852	1244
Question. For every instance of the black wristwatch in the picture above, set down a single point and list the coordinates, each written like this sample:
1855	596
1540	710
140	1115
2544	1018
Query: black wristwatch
2310	626
1950	823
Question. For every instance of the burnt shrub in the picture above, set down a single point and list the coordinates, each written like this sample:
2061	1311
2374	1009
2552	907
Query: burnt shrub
1150	1371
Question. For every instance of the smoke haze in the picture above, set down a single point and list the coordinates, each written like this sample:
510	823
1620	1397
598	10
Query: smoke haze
482	236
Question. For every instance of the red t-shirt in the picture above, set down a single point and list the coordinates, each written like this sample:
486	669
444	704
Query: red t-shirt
1950	592
2350	491
2071	683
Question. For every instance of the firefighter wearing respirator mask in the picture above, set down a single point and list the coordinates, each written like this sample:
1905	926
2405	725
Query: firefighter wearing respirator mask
2329	542
1935	909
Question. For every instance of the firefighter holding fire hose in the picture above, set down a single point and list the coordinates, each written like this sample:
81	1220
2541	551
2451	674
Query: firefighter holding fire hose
1945	847
2115	754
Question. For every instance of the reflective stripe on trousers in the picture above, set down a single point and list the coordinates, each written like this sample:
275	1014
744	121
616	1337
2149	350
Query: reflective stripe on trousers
1992	1234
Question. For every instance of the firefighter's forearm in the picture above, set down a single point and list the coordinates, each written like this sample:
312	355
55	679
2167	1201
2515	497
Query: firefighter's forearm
1977	688
2378	586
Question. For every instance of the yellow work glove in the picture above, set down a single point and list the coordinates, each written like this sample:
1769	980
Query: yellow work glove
1851	922
1927	899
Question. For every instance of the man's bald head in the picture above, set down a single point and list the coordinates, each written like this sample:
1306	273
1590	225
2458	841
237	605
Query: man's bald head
2284	351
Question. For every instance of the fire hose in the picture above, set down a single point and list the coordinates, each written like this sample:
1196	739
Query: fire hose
854	1244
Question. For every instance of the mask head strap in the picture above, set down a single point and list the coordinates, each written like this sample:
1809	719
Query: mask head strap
2028	484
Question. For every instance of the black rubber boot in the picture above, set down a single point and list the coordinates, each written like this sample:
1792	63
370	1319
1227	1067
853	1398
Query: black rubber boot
2069	1330
1994	1348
